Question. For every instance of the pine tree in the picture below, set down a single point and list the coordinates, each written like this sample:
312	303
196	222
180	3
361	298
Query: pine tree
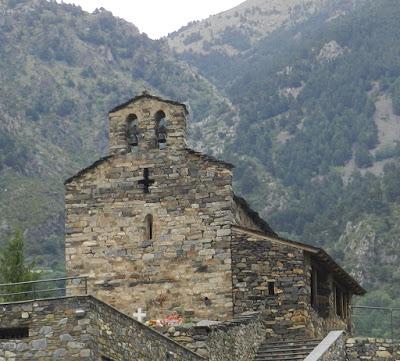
15	269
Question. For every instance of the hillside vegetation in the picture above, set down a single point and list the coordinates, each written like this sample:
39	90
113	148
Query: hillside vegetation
318	122
61	70
307	107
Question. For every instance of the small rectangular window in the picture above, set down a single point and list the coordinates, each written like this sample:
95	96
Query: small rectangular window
14	333
271	288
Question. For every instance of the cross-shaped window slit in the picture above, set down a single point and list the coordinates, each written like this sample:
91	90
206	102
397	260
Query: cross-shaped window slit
147	182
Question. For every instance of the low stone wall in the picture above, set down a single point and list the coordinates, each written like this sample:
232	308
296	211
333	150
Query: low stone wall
55	332
371	349
331	348
81	328
337	351
121	338
237	340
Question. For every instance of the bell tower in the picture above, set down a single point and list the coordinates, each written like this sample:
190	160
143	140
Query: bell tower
147	123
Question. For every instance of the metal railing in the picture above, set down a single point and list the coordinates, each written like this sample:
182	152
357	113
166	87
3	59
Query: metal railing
42	289
389	310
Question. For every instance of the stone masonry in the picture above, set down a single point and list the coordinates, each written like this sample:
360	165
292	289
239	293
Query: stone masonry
82	328
187	261
374	349
157	226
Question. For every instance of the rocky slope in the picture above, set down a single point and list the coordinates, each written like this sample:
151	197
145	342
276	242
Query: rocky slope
237	29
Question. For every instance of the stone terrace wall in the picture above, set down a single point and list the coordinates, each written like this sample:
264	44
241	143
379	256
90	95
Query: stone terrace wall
121	338
371	349
255	262
236	340
56	332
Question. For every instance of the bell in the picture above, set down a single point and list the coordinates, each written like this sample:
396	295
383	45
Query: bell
162	138
133	140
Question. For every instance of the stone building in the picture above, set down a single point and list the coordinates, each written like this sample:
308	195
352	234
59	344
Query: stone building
157	230
157	226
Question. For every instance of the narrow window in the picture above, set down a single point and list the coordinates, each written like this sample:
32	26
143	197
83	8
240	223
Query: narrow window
132	132
105	358
161	129
271	288
149	227
14	333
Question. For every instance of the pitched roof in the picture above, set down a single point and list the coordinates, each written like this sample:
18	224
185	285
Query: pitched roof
209	158
317	253
146	95
85	170
104	159
254	216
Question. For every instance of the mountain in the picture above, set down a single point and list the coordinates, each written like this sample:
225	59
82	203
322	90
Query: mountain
307	107
237	29
61	70
317	143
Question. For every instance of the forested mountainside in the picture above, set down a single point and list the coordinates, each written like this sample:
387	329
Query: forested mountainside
61	70
317	146
213	42
235	30
308	110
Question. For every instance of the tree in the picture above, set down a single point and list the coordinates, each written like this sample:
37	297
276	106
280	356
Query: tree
15	269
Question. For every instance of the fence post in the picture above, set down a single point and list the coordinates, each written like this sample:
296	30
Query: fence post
391	325
34	290
86	290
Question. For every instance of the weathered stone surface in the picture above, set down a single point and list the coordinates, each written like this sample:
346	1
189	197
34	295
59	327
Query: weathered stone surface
371	349
102	332
190	200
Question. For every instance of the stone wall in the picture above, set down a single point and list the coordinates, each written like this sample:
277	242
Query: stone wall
55	332
145	109
186	265
82	328
337	351
371	349
120	338
255	263
236	340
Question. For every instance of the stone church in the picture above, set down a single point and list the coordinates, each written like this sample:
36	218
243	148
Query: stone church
157	230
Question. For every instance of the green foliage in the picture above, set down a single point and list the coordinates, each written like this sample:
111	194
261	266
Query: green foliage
61	70
396	96
391	182
15	269
363	157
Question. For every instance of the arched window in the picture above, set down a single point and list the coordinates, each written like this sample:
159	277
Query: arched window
149	227
161	129
132	131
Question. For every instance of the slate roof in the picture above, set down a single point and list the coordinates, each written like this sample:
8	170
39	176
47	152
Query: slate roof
254	216
146	95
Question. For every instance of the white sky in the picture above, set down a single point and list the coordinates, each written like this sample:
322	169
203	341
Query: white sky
157	18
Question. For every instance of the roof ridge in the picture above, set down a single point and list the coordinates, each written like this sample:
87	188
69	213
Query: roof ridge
145	95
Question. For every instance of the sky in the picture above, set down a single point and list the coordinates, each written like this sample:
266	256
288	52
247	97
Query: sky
157	18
